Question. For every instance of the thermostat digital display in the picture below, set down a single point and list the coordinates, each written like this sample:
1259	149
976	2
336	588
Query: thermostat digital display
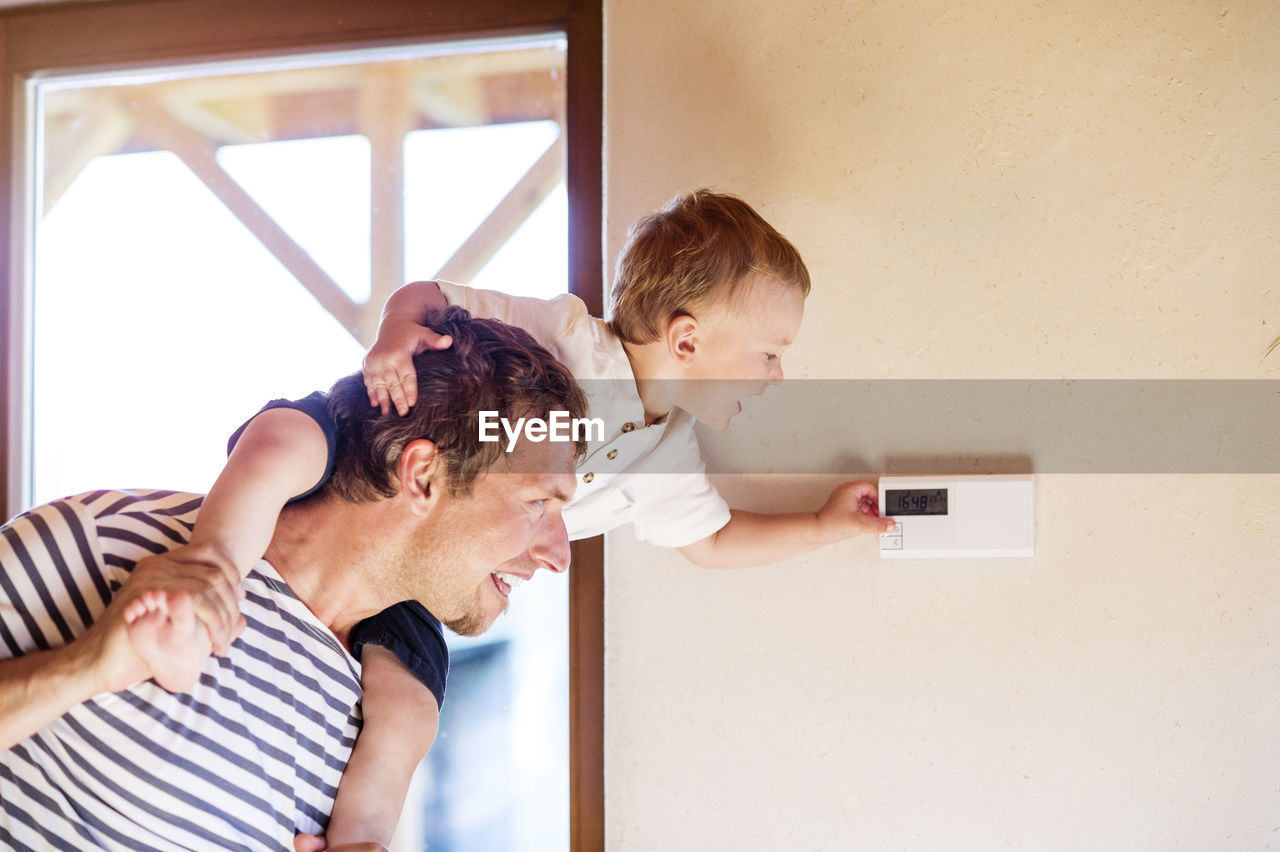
954	516
915	501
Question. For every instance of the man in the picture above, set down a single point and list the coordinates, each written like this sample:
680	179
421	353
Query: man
417	509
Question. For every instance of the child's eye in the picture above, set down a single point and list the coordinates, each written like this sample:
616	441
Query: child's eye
771	356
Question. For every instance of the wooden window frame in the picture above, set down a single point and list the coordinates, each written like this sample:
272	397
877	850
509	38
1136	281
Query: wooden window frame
104	36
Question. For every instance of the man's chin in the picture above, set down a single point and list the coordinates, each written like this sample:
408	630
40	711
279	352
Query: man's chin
474	624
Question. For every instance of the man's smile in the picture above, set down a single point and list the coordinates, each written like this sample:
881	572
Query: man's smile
505	582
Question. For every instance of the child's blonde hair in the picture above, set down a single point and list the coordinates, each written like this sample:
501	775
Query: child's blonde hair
694	252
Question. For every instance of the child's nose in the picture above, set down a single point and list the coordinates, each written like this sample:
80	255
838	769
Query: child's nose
775	372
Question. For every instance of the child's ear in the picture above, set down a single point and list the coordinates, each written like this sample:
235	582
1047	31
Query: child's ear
421	474
682	339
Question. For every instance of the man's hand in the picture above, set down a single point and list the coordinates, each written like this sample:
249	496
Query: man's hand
852	509
176	608
205	576
111	661
389	374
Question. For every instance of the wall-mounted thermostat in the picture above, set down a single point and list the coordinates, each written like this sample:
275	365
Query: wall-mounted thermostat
950	516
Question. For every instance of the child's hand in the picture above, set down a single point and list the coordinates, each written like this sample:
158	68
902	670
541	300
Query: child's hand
852	509
165	632
209	579
389	374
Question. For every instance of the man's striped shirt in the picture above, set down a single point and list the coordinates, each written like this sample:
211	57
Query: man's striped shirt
247	759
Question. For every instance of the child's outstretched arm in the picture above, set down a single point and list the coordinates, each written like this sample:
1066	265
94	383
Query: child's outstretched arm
751	539
400	721
389	375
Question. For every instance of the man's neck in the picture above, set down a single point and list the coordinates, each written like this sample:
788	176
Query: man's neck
335	557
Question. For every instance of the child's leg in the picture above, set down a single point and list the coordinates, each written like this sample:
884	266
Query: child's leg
165	632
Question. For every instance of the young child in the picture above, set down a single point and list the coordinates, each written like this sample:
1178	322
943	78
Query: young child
707	296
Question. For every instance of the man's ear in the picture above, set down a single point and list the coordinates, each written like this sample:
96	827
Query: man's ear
421	473
682	339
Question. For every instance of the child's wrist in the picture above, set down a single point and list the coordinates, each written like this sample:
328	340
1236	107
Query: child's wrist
399	318
825	531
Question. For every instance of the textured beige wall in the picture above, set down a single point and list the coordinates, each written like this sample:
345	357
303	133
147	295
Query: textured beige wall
982	189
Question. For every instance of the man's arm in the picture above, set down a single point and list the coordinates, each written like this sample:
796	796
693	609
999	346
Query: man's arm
751	539
37	688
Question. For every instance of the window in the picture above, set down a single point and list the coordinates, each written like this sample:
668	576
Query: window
208	236
227	220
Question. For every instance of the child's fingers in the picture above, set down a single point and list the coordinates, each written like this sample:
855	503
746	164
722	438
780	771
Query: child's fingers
378	397
181	607
217	620
207	556
214	577
437	341
397	390
208	589
409	385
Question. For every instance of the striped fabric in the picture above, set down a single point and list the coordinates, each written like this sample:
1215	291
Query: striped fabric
246	760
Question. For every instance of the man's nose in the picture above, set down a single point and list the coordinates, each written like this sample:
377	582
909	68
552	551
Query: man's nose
551	550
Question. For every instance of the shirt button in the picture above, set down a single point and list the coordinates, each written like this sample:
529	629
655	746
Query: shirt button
627	427
611	455
587	477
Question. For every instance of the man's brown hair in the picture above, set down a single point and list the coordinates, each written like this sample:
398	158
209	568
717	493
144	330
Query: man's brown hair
491	366
692	253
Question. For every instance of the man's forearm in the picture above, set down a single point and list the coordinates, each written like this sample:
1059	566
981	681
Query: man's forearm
37	688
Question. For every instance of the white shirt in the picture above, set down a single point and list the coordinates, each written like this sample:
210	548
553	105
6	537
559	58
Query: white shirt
651	475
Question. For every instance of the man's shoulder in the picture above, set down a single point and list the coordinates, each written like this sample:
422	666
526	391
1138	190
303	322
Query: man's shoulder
122	526
63	560
90	507
101	505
